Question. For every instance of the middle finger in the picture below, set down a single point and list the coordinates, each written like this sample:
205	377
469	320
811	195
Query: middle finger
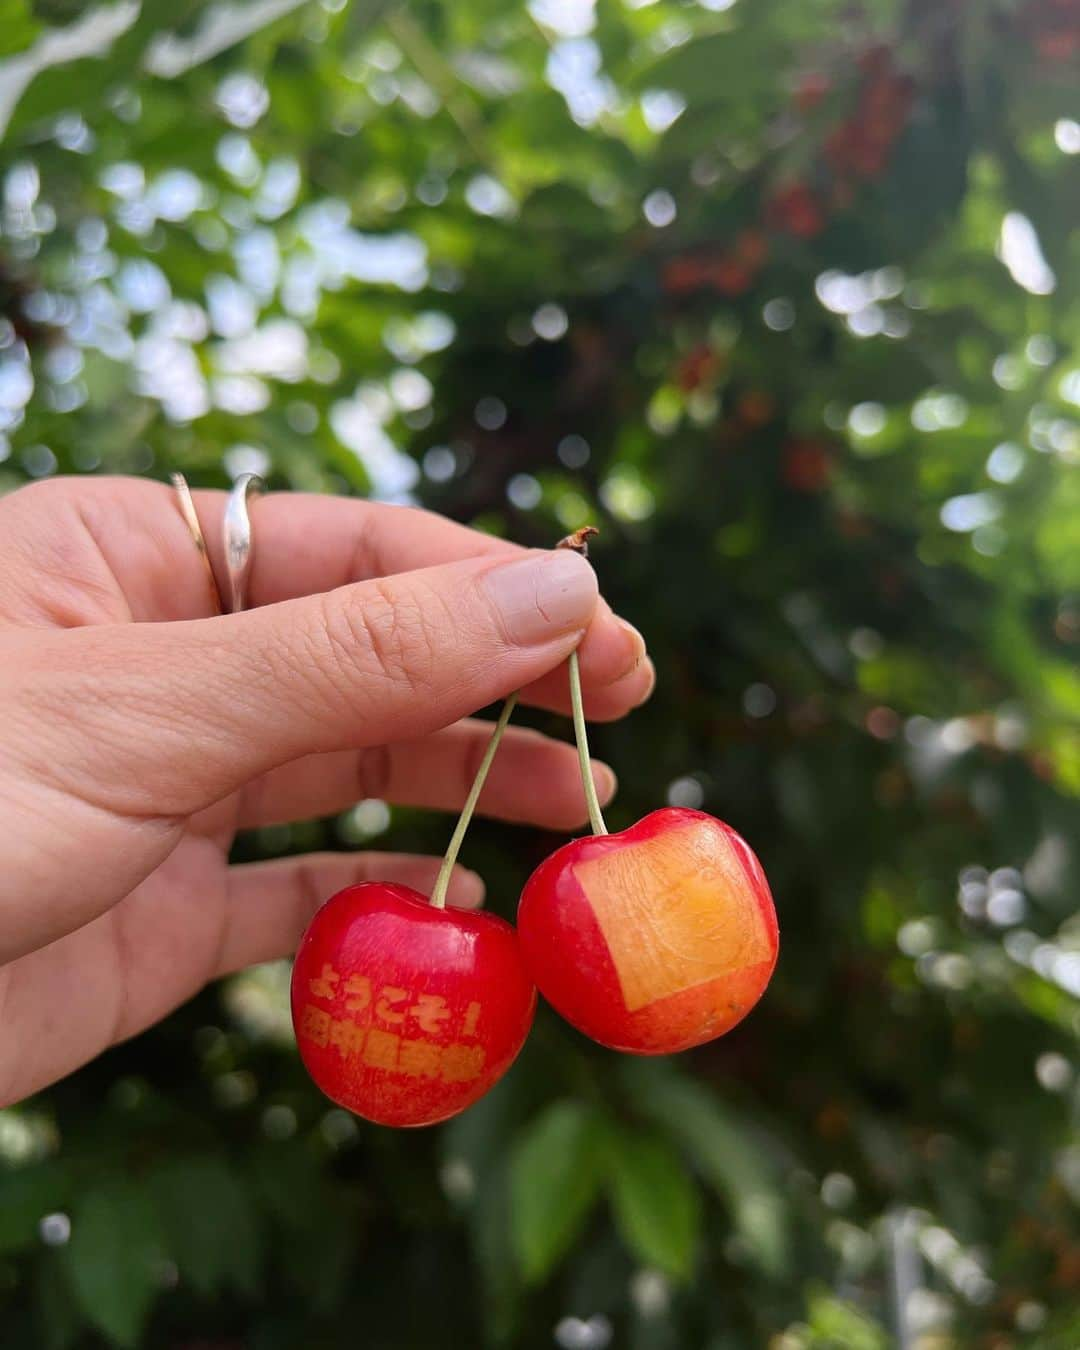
534	779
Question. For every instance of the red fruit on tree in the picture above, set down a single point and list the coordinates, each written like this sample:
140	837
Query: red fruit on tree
806	220
807	465
841	147
752	248
700	366
1054	28
1057	47
731	277
869	159
755	408
655	939
684	275
406	1013
795	210
811	89
886	98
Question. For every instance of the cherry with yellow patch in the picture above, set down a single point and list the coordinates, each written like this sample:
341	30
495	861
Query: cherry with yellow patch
655	939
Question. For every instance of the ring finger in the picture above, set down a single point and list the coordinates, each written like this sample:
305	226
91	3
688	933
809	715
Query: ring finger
533	780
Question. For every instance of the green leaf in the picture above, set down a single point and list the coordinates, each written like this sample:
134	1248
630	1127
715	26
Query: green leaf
27	1194
656	1203
210	1223
839	1323
59	1320
319	1234
79	79
18	27
708	69
556	1173
489	1229
550	206
114	1258
473	1146
724	1149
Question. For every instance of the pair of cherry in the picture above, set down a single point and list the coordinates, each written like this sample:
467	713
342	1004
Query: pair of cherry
652	940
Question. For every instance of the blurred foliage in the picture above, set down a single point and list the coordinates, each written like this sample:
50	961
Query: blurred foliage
782	293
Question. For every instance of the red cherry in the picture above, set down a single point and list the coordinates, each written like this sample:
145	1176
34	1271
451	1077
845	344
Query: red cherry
811	89
795	210
700	366
755	408
655	939
1057	46
807	465
731	277
840	146
683	276
406	1013
752	248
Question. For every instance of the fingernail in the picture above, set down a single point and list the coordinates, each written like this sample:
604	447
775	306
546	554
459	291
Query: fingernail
466	888
635	645
650	683
605	780
542	596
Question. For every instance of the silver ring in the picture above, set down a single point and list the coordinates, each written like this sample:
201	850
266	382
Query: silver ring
191	519
236	530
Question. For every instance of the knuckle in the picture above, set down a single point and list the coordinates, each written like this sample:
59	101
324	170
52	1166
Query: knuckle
49	492
382	635
310	892
373	772
54	548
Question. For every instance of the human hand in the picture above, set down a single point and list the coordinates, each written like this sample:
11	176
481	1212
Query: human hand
141	733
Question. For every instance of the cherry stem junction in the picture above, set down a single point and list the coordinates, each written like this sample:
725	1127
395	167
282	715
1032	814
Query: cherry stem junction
442	881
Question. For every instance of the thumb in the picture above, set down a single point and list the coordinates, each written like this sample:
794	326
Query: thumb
196	709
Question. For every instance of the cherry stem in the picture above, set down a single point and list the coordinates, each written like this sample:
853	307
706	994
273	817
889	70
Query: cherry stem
442	881
578	542
596	819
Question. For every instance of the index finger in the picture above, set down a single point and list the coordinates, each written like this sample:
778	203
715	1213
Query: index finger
308	543
126	541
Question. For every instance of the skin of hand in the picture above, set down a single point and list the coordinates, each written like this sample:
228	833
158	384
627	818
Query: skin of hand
141	730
